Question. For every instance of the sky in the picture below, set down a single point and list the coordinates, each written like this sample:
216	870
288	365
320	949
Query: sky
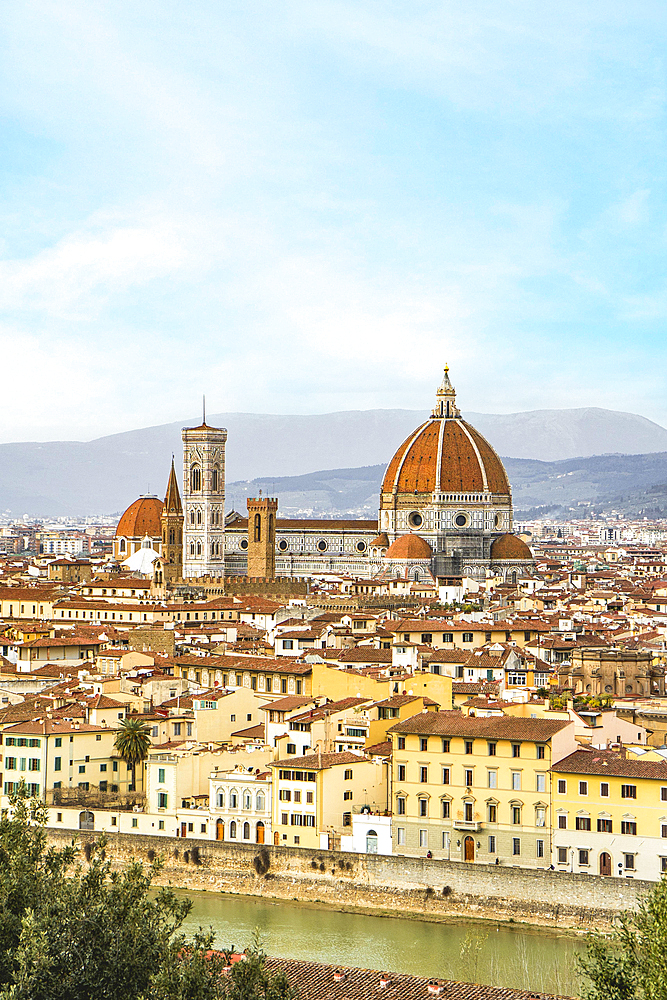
300	207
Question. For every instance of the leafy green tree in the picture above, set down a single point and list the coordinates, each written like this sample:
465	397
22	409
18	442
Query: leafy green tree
133	741
70	931
630	963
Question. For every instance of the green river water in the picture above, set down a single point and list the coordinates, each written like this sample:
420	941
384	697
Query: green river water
474	951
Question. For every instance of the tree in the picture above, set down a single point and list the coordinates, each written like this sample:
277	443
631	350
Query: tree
133	741
75	932
630	963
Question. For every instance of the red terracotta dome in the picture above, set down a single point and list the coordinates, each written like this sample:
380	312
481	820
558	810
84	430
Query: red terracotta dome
447	455
510	547
141	518
409	546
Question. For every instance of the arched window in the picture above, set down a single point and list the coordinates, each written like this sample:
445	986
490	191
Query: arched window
198	517
122	545
195	479
172	536
260	802
233	799
257	534
220	801
232	830
198	548
192	517
212	548
214	480
247	800
192	548
271	529
246	831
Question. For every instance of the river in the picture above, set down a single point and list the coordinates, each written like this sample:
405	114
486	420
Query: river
473	951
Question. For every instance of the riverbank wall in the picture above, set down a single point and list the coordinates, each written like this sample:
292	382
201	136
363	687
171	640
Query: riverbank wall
418	887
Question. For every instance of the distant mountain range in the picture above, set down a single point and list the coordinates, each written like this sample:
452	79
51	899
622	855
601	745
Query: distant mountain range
105	475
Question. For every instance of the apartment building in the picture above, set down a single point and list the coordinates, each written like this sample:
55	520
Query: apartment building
475	789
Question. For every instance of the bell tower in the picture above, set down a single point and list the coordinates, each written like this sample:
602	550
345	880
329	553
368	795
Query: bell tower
204	500
262	537
172	530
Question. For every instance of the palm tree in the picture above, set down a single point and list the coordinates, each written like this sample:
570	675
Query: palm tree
133	743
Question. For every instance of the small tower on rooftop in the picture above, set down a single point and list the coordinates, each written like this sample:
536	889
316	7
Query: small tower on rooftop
262	515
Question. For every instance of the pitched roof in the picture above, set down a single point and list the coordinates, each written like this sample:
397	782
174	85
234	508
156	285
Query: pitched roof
320	761
612	763
453	723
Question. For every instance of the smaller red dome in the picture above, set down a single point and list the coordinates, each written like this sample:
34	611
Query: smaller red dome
510	547
141	518
409	547
380	541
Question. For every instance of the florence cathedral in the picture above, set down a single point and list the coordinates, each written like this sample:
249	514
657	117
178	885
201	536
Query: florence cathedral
445	512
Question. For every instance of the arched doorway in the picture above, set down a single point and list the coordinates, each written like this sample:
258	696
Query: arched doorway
371	842
605	863
220	829
86	820
260	832
276	839
469	849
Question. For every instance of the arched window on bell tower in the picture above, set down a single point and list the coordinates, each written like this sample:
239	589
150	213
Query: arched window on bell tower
195	479
215	478
257	533
271	530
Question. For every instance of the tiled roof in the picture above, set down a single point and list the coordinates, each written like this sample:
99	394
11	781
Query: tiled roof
320	761
452	723
611	762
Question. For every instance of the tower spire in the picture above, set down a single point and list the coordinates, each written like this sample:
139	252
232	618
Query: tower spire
203	410
445	398
172	500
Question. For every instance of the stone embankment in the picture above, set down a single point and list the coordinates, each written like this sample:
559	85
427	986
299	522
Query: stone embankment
417	887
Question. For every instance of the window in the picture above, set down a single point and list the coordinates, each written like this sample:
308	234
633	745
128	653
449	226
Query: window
400	805
516	815
629	827
492	812
516	781
160	775
629	860
562	855
540	816
446	775
285	795
347	796
291	747
445	746
423	838
288	644
57	763
423	807
492	845
540	782
59	741
491	749
492	779
583	788
628	792
467	637
604	826
162	800
423	775
401	742
309	799
347	819
400	772
562	821
604	789
582	823
468	746
400	835
446	806
562	786
467	812
539	848
516	749
82	768
467	774
540	751
663	794
348	774
103	767
423	743
448	637
583	857
516	846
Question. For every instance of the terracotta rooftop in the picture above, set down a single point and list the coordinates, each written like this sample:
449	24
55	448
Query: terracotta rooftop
453	723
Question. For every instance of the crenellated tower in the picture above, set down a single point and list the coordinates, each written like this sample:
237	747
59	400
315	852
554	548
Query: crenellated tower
262	515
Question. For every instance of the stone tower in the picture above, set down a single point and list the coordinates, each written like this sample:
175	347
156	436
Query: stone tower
204	501
262	515
172	531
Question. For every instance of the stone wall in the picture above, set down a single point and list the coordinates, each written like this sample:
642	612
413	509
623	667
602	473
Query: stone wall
427	888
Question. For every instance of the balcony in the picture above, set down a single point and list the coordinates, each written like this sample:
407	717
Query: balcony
471	825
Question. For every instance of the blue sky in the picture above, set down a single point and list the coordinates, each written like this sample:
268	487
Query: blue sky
301	207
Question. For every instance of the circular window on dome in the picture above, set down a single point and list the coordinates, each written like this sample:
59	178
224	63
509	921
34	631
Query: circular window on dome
415	519
361	546
244	543
282	545
461	520
322	545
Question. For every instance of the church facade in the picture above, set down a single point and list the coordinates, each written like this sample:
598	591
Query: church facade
445	511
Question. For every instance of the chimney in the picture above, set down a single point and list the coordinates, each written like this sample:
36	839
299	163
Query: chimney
384	980
339	975
436	987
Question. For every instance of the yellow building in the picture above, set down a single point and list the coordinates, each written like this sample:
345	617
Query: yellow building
610	812
314	796
475	789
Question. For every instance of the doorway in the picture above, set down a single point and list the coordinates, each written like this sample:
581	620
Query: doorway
184	829
605	863
220	830
371	842
260	832
469	849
